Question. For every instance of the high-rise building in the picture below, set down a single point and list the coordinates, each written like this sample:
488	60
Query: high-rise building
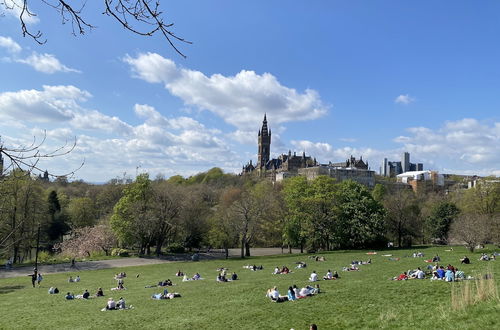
405	161
391	169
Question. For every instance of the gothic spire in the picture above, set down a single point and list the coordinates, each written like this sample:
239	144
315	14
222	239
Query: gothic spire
264	129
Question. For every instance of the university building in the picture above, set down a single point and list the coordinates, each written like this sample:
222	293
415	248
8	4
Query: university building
292	164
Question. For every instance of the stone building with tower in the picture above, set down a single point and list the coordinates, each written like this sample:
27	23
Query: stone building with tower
293	164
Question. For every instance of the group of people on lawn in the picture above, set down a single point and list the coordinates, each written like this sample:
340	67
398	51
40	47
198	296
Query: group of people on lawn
293	293
437	272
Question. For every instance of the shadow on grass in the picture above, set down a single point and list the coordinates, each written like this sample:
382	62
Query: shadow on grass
10	288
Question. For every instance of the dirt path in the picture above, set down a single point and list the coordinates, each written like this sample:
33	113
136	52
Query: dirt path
127	262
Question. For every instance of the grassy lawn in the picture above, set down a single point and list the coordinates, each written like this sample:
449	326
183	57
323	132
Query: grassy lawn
363	299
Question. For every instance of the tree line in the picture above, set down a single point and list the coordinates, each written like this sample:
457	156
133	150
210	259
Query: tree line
214	209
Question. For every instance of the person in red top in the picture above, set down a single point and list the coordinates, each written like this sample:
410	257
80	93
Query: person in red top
402	277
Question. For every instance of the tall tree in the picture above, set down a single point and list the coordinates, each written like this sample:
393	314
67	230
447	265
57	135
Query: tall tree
403	215
439	222
57	224
360	218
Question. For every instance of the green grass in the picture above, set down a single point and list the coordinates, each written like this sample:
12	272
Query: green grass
364	299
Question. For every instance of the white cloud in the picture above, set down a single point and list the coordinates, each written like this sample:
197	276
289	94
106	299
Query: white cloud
457	144
14	8
46	63
240	100
404	99
9	44
159	144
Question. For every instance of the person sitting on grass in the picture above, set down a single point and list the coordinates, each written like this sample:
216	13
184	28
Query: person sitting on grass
99	293
440	272
449	276
234	276
221	278
121	304
69	296
85	295
465	260
285	270
275	295
179	273
328	276
277	270
335	275
436	258
313	277
459	274
77	279
291	294
111	305
70	279
196	277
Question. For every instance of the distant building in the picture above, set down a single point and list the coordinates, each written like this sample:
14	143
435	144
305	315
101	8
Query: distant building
421	181
363	176
289	165
392	169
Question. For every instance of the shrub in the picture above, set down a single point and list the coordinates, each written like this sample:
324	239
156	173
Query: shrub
120	252
175	248
44	257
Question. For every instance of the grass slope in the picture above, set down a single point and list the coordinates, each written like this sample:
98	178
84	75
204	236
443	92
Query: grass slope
364	299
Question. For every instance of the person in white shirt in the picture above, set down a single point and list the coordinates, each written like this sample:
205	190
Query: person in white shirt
420	274
313	277
328	275
121	304
111	304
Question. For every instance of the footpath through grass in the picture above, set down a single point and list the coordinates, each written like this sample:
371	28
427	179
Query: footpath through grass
363	299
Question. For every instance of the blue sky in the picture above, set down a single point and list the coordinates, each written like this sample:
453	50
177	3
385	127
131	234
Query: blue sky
367	78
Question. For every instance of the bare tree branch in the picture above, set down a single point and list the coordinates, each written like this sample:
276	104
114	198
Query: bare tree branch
142	17
27	158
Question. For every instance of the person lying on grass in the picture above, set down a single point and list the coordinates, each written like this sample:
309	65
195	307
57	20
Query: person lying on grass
167	282
417	274
350	268
165	295
308	291
69	296
53	290
300	264
401	277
